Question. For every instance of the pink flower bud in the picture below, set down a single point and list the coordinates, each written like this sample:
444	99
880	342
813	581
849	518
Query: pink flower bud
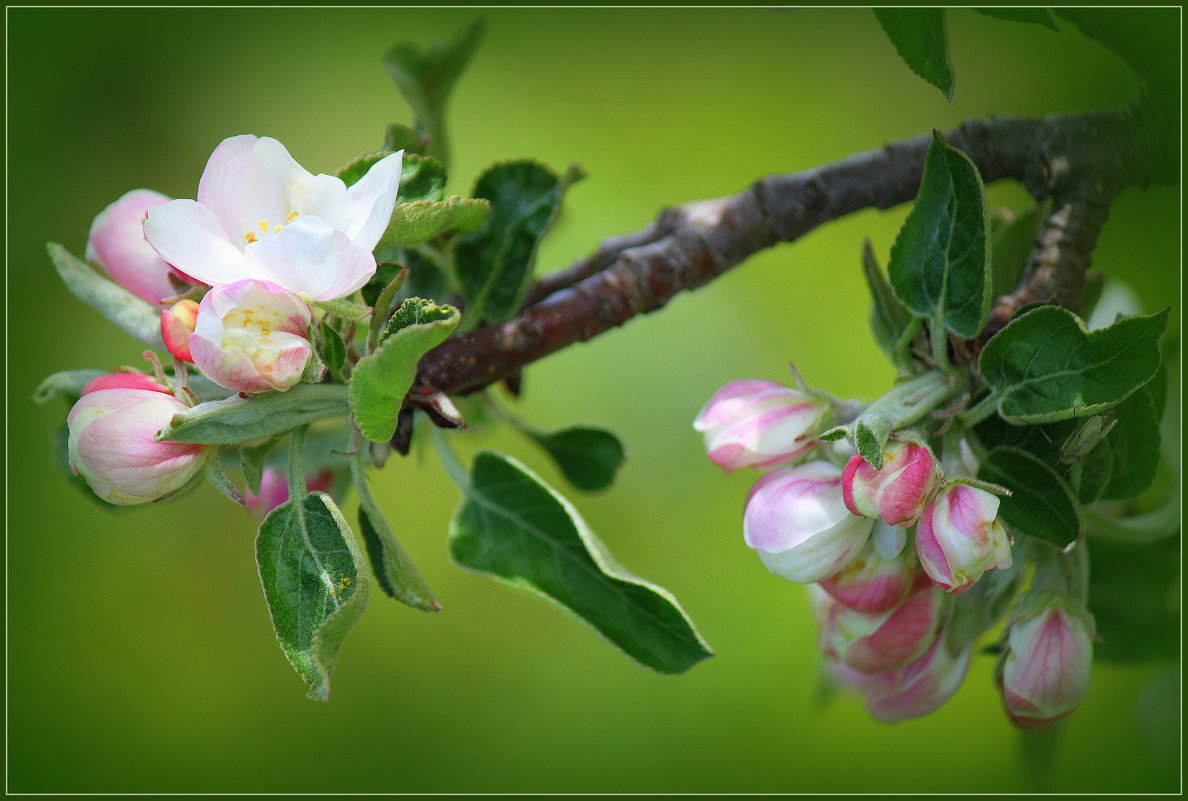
1044	668
915	690
896	493
872	582
797	522
757	424
884	641
177	323
117	244
274	490
124	381
111	445
251	336
959	537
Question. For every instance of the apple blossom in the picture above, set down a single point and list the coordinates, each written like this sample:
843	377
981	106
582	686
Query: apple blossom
250	336
883	641
117	244
111	445
895	493
274	490
177	324
913	691
1044	669
758	424
124	381
959	537
260	215
796	520
872	582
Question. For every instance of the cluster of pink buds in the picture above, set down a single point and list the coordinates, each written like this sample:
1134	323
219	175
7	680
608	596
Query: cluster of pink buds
831	519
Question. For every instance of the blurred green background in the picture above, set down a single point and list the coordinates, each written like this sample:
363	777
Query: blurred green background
140	655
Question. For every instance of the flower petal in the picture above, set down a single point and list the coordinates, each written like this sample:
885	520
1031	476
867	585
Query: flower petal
368	203
312	259
188	236
244	182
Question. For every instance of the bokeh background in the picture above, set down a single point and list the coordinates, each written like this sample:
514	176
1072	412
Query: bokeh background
140	655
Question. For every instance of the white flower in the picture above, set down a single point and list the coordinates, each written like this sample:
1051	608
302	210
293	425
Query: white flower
260	215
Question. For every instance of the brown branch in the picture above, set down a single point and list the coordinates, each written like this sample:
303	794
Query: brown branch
1073	157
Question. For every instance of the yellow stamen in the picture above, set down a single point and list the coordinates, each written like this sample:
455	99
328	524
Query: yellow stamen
277	230
250	237
263	226
293	216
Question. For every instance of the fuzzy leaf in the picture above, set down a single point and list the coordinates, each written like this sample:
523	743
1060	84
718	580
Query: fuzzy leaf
421	220
236	420
1045	366
314	583
514	527
940	261
134	316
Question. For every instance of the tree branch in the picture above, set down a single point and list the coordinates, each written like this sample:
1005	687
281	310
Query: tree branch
1081	160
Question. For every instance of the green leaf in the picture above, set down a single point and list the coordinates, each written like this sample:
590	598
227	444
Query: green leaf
1125	460
1011	241
888	318
385	273
397	575
416	311
134	316
333	348
342	308
940	261
1037	16
1134	597
921	38
1041	505
426	278
236	420
514	527
401	137
380	380
588	456
426	76
495	262
67	383
352	171
421	178
314	583
1045	366
421	220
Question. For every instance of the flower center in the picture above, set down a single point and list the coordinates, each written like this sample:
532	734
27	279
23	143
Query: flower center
266	229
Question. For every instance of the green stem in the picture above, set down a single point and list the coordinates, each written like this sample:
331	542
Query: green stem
297	488
903	346
983	409
939	337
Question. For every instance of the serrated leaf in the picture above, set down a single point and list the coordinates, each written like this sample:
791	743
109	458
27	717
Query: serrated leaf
1045	366
417	311
1041	504
133	315
397	575
421	220
588	456
1012	239
940	261
314	583
494	264
1037	16
516	528
888	317
342	308
421	178
236	420
426	76
920	36
1124	462
380	380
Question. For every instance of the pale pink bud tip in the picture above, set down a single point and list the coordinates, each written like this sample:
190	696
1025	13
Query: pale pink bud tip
250	336
117	244
959	538
1045	666
759	424
177	324
112	445
895	493
124	381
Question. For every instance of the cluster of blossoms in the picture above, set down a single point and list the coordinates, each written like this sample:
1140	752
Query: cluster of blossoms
263	239
886	550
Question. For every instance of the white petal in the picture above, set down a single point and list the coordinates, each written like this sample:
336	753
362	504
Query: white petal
244	184
370	200
312	259
188	236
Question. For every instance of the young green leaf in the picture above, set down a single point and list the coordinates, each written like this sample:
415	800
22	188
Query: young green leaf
314	583
1036	16
888	317
1041	505
426	76
421	177
516	528
342	308
940	261
397	575
1045	366
495	262
921	38
380	380
418	221
131	314
236	420
588	456
401	137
